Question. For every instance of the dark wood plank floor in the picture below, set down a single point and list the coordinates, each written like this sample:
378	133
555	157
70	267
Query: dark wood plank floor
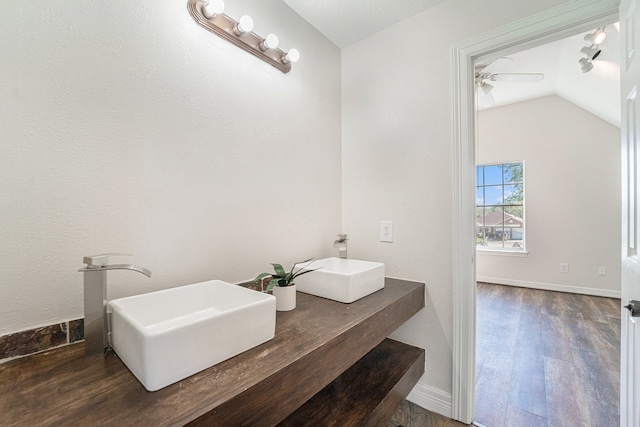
542	359
546	358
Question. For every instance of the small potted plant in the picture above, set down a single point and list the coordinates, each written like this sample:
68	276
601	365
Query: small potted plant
282	285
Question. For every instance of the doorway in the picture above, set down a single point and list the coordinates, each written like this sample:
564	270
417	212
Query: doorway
531	343
553	24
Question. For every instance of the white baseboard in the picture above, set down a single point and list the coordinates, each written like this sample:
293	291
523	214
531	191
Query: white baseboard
551	287
431	399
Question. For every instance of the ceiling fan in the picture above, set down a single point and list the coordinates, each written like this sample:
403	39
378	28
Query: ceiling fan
482	77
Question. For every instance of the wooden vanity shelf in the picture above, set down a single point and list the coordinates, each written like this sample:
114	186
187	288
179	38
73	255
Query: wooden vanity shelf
368	393
322	349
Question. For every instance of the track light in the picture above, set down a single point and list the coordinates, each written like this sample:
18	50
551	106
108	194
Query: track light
585	65
597	37
211	8
269	42
591	52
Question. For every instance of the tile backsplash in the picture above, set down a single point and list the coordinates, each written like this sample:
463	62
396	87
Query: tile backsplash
40	339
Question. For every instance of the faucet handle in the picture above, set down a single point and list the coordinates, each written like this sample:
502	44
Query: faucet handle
342	237
100	260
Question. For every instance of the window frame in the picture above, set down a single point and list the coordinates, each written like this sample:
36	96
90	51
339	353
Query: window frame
509	251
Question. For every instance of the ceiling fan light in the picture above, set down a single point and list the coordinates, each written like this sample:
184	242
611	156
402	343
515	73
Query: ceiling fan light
585	65
486	88
591	52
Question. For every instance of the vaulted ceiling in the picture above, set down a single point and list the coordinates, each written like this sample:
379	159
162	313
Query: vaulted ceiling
346	22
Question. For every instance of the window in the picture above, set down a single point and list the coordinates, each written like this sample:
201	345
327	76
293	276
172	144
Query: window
500	207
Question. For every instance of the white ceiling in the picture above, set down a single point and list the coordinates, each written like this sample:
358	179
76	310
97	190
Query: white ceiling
597	91
345	22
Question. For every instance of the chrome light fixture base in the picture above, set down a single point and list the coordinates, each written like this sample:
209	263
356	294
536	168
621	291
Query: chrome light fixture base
226	28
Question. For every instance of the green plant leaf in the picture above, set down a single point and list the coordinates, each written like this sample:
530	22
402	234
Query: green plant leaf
271	285
299	262
279	270
261	276
304	272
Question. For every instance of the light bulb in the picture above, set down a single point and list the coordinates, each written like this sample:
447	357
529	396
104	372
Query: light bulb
292	56
245	24
269	42
211	8
597	37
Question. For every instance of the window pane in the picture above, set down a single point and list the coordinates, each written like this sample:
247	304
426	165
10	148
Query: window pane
480	231
493	195
515	211
493	175
480	196
513	173
479	177
499	206
513	194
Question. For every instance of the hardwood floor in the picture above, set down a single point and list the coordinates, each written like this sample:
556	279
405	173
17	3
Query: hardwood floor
542	359
546	358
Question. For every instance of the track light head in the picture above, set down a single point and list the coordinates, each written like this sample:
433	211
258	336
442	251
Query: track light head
591	52
585	65
597	37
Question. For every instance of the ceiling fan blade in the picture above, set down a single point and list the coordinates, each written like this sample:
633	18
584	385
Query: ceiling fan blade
517	77
482	65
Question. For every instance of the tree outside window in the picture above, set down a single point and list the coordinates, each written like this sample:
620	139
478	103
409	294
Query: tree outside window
500	207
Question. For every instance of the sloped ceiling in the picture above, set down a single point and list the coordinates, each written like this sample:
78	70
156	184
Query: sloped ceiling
346	22
597	91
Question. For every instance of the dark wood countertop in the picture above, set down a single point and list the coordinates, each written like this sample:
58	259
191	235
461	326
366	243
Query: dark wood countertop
314	344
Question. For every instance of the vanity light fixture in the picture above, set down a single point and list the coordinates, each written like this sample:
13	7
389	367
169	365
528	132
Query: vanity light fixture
211	8
208	14
292	56
269	42
244	25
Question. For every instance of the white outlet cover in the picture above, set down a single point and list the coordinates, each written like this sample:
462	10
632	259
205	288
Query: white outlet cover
386	231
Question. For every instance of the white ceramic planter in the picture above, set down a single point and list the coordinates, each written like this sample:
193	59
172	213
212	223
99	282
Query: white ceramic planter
285	297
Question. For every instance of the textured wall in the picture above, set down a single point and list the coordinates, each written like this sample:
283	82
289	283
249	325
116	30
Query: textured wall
126	127
572	181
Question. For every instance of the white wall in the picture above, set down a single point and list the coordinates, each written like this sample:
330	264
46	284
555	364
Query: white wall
397	153
572	191
126	127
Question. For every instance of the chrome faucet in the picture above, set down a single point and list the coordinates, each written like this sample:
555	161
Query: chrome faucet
341	244
95	300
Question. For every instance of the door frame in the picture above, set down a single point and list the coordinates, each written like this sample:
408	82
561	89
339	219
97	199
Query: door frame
553	24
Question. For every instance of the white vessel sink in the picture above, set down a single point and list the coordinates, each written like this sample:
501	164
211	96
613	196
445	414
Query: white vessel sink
168	335
344	280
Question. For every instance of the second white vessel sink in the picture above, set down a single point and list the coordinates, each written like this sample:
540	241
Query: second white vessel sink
343	280
168	335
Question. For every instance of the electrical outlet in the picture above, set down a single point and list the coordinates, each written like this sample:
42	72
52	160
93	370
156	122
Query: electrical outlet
602	271
564	267
386	231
